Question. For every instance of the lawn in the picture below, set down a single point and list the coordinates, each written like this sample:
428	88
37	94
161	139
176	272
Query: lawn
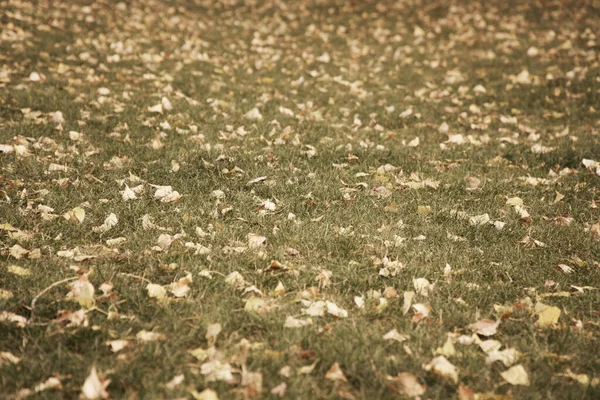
299	199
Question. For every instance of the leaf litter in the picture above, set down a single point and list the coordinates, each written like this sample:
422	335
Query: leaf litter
241	189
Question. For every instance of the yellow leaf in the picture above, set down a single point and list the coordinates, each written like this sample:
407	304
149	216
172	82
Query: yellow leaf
20	271
516	376
335	373
157	291
7	227
447	349
548	317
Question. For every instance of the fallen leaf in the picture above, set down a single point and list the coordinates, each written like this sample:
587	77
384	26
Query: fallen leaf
118	345
291	322
336	311
206	394
82	291
442	367
395	335
516	376
94	388
406	384
485	327
279	390
77	214
335	373
212	332
146	336
108	224
408	296
156	291
176	381
507	357
19	271
548	317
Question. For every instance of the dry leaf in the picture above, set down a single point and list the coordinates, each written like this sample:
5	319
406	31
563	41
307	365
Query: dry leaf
279	390
442	367
156	291
291	322
406	384
94	388
335	373
548	317
395	335
516	376
485	327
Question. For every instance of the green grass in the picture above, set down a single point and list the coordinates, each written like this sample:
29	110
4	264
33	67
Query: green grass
215	61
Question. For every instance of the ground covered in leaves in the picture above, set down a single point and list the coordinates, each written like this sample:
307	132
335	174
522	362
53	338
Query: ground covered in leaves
304	199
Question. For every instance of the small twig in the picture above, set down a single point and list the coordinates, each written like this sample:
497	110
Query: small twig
141	278
35	299
98	309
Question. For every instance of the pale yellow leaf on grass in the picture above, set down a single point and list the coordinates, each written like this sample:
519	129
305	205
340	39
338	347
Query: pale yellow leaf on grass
479	220
181	288
447	350
291	322
217	370
395	335
118	345
443	368
548	317
156	291
279	390
50	383
212	332
236	280
82	291
406	384
5	226
507	357
336	311
5	294
278	291
116	241
490	345
206	394
422	309
77	214
108	224
359	301
19	320
257	305
20	271
422	286
559	197
146	336
252	383
199	353
176	381
335	373
8	357
307	369
316	309
18	252
485	327
255	241
93	388
128	194
516	376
